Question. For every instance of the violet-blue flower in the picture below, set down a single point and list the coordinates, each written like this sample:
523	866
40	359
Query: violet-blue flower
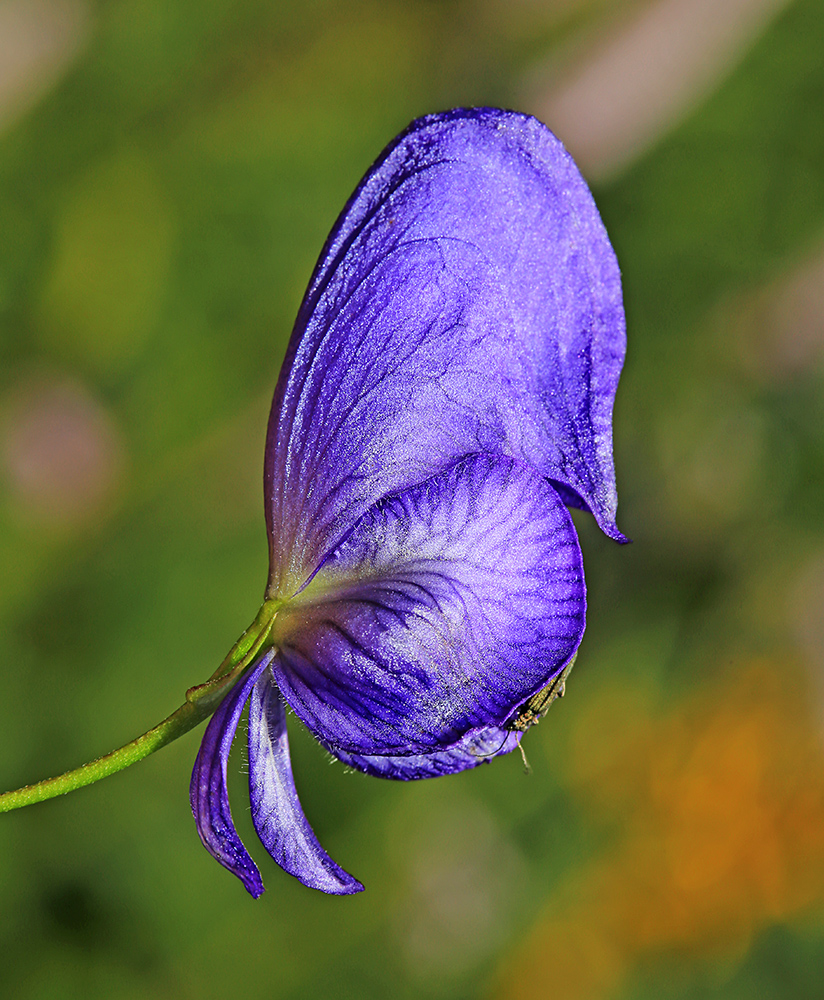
446	395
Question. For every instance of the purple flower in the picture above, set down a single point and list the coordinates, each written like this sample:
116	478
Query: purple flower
446	395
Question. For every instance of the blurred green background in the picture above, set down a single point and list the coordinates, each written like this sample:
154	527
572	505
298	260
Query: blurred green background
168	172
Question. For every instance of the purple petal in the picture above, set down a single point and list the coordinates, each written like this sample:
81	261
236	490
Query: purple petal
478	747
444	610
467	300
276	810
208	792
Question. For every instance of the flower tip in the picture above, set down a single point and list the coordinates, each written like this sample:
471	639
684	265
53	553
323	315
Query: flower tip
348	888
253	885
619	537
610	528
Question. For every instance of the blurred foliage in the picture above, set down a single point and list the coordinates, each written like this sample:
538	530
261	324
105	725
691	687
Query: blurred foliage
161	209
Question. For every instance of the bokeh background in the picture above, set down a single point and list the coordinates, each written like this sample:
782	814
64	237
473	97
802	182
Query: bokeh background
168	172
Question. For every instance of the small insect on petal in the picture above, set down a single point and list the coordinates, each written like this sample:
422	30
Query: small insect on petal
536	707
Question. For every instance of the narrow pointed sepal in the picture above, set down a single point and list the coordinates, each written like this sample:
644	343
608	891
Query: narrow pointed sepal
208	792
276	810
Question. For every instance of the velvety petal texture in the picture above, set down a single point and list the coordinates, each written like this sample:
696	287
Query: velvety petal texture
468	299
447	394
276	810
208	792
445	608
478	746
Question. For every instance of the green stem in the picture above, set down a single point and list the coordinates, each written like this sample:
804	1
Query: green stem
201	702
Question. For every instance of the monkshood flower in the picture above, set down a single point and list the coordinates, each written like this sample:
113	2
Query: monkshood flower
446	395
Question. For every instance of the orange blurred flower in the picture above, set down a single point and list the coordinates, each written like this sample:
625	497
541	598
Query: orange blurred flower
720	810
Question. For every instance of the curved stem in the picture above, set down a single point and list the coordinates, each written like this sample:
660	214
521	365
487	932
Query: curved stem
200	702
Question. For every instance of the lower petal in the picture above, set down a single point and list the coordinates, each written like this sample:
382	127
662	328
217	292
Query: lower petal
479	746
276	810
443	611
208	793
